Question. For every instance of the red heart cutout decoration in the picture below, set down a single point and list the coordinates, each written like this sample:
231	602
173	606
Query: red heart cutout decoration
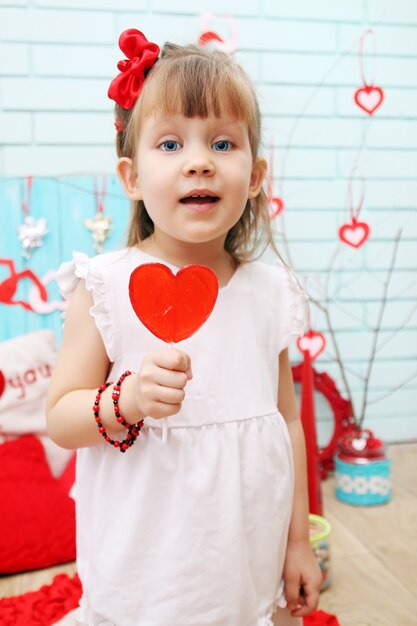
173	306
354	234
276	206
2	383
208	36
312	342
369	98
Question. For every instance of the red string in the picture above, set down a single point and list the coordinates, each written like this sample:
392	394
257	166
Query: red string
270	179
361	63
354	213
100	194
26	198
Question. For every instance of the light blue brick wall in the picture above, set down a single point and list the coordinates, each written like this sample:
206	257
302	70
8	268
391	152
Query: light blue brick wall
56	60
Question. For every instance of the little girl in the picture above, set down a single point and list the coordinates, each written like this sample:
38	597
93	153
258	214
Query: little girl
203	521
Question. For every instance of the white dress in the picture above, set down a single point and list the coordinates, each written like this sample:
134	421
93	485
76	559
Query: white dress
189	526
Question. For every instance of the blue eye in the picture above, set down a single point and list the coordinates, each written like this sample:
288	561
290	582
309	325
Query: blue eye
170	146
222	146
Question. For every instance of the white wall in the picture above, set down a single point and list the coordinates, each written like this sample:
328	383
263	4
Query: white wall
58	57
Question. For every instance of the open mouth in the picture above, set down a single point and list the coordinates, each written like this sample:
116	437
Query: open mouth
199	199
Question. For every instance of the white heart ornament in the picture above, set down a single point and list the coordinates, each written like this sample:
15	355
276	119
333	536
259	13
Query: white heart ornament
359	444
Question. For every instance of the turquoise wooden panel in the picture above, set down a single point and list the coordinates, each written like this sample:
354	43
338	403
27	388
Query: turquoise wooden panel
65	203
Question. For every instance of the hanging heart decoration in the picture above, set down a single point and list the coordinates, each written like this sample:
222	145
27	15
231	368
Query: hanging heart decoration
276	204
173	306
312	342
354	234
208	36
369	98
276	207
2	383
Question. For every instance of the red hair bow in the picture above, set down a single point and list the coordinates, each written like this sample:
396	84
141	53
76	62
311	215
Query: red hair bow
141	56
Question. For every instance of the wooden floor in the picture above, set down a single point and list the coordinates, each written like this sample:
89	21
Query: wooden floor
374	552
373	555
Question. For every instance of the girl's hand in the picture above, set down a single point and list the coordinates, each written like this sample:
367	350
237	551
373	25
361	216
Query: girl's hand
161	382
302	578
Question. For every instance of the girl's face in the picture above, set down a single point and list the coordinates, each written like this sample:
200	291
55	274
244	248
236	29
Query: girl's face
194	176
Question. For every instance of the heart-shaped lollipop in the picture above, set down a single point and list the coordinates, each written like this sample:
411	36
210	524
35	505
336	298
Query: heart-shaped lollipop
173	306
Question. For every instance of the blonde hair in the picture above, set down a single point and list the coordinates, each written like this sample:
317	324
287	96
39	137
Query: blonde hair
194	81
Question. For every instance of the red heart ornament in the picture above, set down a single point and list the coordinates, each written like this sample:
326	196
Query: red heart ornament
276	206
369	98
173	306
209	36
354	234
361	443
2	383
312	342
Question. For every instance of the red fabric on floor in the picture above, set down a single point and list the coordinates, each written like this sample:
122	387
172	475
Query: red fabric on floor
52	602
320	618
43	607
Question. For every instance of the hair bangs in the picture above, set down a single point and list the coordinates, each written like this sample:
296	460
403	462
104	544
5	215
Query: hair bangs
198	86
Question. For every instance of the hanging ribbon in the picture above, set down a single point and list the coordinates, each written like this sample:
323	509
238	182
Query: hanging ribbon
100	225
26	198
100	194
369	97
276	205
355	233
308	419
32	231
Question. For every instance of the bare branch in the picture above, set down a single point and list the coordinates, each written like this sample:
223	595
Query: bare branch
347	369
378	328
337	352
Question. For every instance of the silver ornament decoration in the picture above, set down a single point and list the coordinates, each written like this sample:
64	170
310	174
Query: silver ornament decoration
31	234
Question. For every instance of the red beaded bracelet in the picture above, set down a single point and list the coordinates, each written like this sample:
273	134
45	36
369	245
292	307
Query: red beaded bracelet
115	396
133	430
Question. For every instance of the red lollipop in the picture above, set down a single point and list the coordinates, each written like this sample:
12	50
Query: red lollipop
173	306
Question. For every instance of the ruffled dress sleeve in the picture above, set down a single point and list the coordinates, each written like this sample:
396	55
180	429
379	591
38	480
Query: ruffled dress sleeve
294	312
82	267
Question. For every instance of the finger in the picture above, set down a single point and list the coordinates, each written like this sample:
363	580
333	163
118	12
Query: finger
167	395
173	359
312	599
292	593
306	605
160	410
170	378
